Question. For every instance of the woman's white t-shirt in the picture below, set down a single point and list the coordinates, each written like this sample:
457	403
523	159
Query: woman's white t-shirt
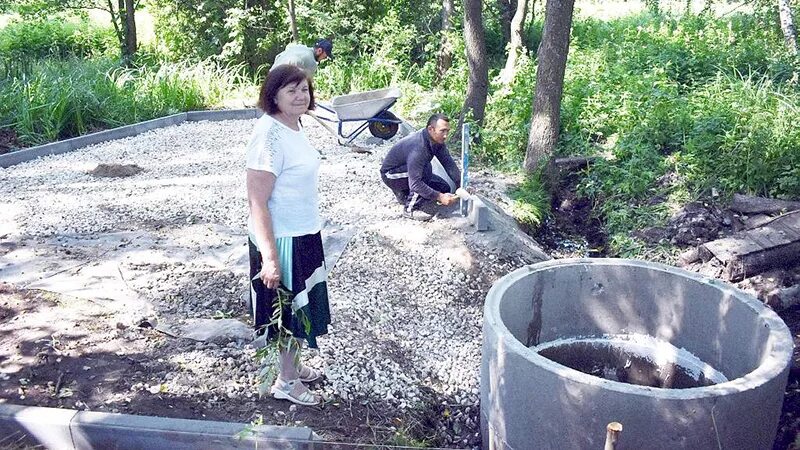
294	203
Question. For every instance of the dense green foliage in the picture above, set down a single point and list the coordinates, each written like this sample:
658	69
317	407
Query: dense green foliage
678	107
377	32
674	107
43	38
531	202
77	89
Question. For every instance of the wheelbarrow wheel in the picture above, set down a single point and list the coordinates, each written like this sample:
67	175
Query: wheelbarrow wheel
384	130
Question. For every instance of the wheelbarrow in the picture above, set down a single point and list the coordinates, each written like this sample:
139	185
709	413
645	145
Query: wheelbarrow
370	107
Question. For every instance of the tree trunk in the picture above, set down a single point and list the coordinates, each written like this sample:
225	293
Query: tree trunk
293	21
127	18
506	8
478	83
748	204
131	44
515	47
553	51
445	59
787	25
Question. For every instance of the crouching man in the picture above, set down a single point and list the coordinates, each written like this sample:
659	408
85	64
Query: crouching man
408	173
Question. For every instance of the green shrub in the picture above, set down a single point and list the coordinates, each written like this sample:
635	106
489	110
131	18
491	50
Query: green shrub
507	124
360	74
744	138
59	99
531	201
43	38
677	107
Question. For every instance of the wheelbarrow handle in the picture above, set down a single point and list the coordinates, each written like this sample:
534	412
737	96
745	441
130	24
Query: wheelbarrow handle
325	125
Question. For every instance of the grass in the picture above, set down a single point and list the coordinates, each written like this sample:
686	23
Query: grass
675	107
531	201
53	99
61	78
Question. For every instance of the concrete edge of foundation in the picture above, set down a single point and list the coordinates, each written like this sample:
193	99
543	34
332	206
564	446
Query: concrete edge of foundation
68	145
67	428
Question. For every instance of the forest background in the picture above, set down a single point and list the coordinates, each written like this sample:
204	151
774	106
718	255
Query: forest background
673	101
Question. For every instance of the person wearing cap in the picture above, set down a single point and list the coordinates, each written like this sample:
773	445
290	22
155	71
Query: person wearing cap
306	58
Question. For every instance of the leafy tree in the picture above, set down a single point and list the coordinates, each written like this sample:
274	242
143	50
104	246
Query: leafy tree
250	32
515	46
292	20
506	10
126	11
445	57
122	15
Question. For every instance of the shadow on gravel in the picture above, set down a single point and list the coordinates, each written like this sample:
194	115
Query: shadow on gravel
60	368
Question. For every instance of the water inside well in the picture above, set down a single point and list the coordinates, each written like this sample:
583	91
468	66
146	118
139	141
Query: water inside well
633	359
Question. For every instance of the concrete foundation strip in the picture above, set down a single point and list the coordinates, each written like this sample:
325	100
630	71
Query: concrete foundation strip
70	429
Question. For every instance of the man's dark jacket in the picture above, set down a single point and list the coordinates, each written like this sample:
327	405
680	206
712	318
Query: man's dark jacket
412	156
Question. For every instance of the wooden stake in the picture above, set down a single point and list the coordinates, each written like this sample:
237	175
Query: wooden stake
613	430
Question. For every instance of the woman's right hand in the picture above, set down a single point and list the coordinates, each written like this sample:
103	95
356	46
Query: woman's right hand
270	273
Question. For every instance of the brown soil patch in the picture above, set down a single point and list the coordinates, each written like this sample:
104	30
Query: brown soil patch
8	140
115	170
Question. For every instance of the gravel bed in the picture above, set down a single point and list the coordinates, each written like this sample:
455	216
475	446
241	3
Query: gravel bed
406	297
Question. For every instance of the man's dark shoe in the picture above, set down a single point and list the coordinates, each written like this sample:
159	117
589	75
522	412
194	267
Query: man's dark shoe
418	214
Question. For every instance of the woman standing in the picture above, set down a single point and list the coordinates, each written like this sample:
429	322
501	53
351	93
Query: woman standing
284	228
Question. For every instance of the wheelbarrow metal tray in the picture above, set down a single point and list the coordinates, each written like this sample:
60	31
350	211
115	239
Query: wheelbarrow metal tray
364	105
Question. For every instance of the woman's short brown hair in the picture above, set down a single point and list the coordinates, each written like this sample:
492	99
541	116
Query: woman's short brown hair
277	78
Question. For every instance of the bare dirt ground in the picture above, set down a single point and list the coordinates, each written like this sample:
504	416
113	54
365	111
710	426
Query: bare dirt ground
8	140
67	352
81	360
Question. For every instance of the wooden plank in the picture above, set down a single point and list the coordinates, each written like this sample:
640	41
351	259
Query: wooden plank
750	252
780	231
748	204
783	298
789	223
730	248
768	237
757	262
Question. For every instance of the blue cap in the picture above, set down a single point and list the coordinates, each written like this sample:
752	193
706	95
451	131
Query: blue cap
325	45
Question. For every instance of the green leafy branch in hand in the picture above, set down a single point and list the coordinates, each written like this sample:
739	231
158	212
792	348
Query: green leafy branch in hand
284	341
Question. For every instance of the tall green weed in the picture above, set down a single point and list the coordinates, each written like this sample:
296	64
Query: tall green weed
59	99
745	138
55	37
507	123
